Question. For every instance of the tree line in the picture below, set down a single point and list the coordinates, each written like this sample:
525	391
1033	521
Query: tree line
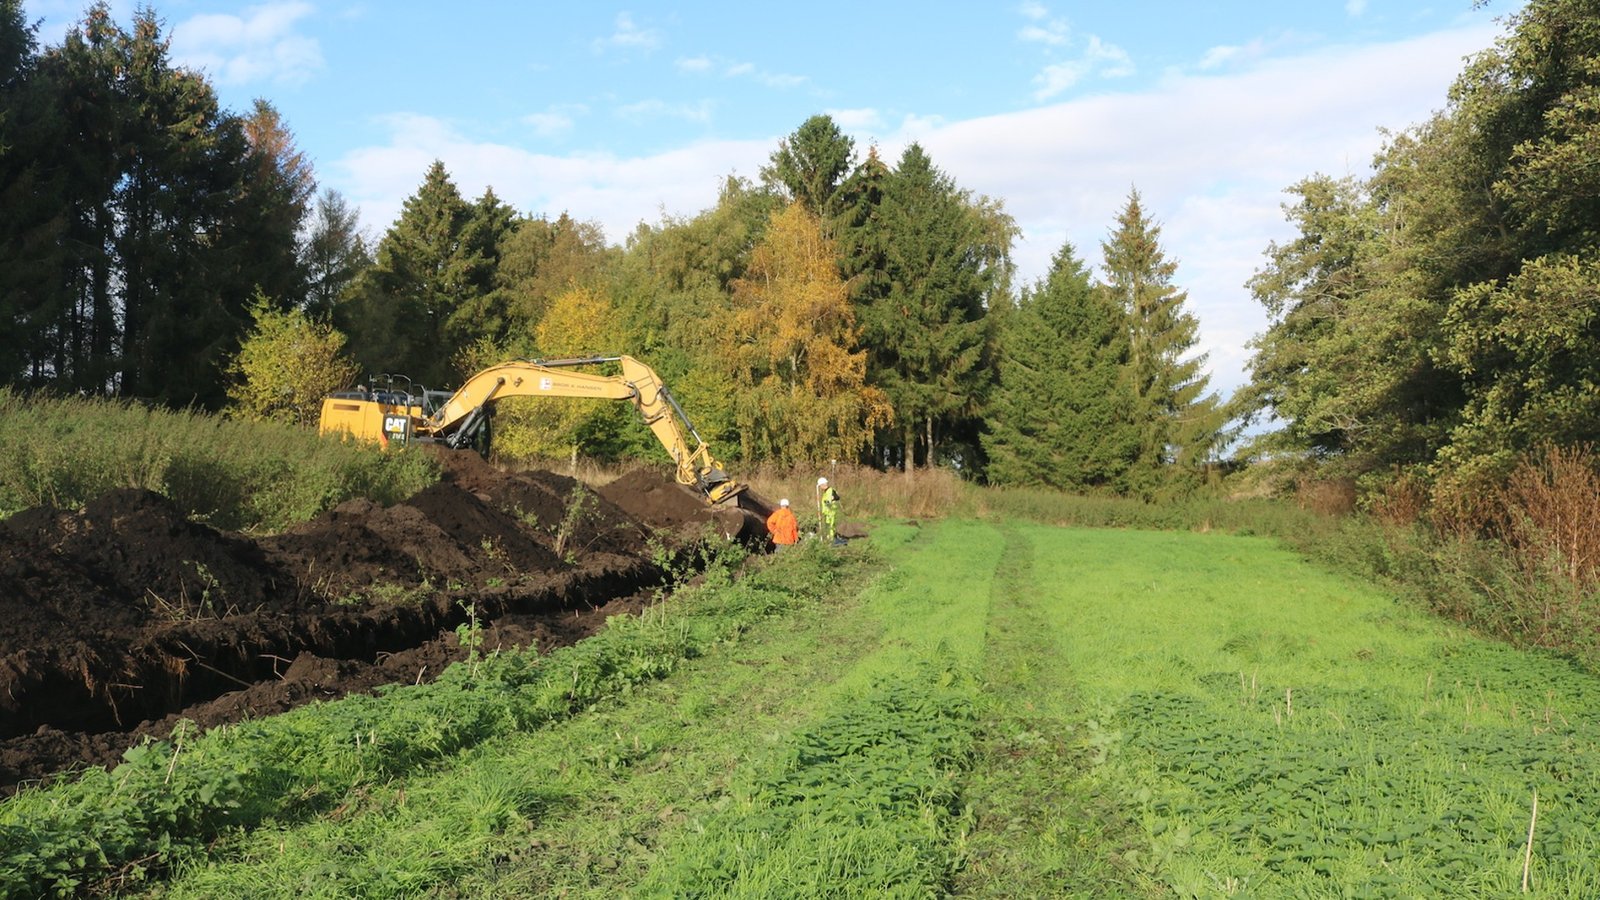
1430	322
839	307
1434	322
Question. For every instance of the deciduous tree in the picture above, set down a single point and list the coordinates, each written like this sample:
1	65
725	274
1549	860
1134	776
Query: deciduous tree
801	394
580	322
286	365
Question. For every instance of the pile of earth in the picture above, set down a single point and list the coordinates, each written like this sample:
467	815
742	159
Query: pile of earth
119	619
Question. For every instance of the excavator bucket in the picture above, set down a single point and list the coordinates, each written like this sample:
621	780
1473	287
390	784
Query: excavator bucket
743	517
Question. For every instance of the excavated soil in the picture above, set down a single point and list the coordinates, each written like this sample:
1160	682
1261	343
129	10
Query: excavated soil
122	618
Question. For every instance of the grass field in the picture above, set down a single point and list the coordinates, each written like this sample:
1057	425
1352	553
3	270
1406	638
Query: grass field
987	709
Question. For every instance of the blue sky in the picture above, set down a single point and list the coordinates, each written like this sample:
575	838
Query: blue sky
627	113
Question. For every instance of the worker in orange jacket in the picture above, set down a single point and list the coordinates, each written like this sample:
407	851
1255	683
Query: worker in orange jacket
784	527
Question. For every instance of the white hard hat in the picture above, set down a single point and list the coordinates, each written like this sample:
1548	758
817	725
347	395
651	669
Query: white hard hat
821	482
784	502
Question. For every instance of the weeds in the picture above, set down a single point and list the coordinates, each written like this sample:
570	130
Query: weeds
581	505
185	608
862	803
233	474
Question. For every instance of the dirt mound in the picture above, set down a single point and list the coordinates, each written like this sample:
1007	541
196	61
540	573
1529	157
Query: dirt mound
649	497
122	617
126	557
558	508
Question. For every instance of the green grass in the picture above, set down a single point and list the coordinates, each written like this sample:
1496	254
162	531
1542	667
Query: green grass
991	709
1287	732
1042	826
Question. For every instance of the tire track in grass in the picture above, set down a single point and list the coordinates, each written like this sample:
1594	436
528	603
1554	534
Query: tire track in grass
864	801
1039	827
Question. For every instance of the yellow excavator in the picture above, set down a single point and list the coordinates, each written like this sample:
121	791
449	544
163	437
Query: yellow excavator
461	419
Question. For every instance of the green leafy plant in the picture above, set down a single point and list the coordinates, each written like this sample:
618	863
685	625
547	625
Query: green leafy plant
581	505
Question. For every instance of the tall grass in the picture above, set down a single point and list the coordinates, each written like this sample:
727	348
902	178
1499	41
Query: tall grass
1524	566
232	474
867	493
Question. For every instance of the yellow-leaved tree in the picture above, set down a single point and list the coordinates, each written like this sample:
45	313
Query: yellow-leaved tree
286	365
802	393
580	322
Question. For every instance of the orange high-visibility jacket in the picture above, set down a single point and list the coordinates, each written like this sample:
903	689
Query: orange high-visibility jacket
784	527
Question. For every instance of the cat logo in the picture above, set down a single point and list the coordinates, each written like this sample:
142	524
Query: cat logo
397	429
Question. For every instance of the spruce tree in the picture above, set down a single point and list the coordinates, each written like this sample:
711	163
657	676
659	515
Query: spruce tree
944	257
403	316
1179	424
134	238
333	254
1062	415
810	164
32	286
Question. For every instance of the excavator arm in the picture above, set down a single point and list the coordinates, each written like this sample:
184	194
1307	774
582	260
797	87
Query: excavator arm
459	418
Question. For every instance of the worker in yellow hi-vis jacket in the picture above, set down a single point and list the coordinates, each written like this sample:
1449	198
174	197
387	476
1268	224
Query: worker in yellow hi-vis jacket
828	505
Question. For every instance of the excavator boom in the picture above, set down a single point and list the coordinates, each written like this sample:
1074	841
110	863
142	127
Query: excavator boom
460	420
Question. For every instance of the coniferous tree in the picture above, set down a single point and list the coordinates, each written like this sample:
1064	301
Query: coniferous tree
944	258
31	230
809	165
137	238
402	315
1179	424
281	189
188	232
333	254
1062	414
482	314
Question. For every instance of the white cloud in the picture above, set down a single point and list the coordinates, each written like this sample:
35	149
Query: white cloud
628	35
865	119
740	69
258	46
1042	29
555	120
618	193
1098	58
1355	8
660	109
1210	154
1111	61
780	80
1216	57
1053	33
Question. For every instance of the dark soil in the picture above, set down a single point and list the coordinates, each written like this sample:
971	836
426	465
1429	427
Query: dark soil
119	619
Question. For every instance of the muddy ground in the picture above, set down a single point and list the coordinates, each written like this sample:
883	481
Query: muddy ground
120	619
